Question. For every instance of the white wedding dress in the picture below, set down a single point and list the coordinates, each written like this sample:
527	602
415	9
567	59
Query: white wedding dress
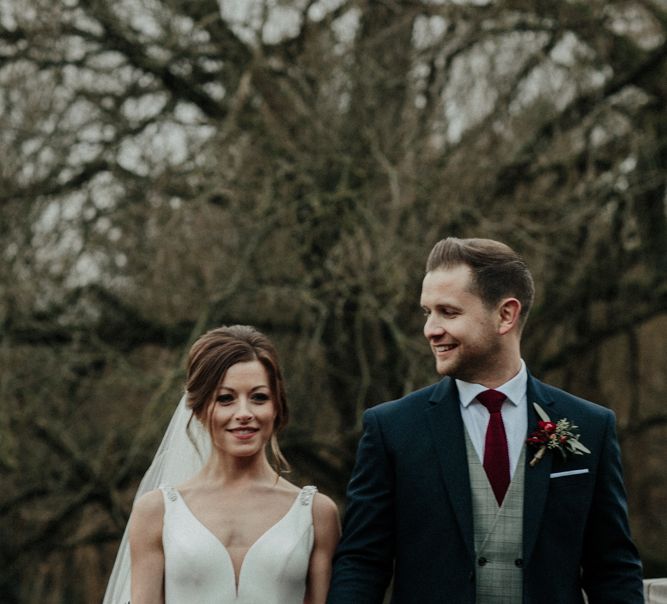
198	567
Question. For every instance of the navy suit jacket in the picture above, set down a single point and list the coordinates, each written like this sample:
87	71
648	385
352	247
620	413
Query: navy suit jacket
409	510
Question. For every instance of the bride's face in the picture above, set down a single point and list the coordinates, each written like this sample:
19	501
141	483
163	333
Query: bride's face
243	411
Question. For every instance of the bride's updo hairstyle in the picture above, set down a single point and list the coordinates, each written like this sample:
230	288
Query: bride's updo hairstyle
214	353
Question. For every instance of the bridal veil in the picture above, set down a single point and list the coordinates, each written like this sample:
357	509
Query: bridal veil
181	454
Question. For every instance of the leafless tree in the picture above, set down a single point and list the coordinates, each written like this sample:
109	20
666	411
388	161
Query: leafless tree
168	166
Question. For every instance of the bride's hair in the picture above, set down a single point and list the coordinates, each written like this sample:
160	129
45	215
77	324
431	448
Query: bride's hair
214	353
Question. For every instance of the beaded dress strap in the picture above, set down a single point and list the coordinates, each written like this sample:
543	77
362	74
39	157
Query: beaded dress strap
170	492
307	494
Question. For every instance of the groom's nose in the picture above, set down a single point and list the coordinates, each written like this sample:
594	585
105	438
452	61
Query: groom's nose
432	327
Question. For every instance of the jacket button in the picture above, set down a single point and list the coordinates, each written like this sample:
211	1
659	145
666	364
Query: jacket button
471	576
482	561
518	562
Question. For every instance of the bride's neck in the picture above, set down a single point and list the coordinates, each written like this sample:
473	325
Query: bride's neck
228	470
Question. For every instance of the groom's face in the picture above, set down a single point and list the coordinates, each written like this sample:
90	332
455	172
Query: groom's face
461	330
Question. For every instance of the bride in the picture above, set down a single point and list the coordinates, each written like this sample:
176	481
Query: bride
234	531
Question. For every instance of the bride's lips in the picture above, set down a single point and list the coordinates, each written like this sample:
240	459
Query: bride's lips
244	433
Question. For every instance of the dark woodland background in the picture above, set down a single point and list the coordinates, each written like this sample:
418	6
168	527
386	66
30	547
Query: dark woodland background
165	169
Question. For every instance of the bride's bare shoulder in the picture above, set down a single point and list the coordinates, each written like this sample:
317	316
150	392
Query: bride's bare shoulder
149	506
150	500
325	510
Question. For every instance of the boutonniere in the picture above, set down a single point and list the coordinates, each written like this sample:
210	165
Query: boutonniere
558	436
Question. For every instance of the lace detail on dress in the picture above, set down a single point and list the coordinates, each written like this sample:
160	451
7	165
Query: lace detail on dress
307	494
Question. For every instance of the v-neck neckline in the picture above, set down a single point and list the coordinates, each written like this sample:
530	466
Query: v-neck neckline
237	578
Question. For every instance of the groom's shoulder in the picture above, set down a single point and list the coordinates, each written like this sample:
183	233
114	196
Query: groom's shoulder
565	398
406	404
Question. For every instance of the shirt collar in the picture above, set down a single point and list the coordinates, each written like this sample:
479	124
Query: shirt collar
514	389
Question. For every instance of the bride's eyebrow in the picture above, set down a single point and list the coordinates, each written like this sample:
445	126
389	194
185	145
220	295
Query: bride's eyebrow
230	389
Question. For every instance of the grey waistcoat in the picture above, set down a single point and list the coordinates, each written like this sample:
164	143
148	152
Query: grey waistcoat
498	534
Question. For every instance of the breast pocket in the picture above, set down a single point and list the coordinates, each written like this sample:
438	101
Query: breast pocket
567	508
576	485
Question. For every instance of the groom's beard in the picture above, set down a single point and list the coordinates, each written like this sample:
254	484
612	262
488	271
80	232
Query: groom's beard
473	362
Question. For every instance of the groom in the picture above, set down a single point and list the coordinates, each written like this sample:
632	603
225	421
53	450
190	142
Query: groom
445	495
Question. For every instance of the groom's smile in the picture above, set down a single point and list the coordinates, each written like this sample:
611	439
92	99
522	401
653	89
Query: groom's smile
460	329
443	347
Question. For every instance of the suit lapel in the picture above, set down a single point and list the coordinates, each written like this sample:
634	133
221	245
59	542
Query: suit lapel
449	442
537	477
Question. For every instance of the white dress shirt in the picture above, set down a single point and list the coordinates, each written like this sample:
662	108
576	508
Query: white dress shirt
476	416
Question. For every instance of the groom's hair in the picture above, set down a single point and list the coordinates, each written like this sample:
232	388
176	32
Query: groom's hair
497	270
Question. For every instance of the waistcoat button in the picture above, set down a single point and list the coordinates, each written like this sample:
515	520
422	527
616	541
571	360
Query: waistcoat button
518	562
482	561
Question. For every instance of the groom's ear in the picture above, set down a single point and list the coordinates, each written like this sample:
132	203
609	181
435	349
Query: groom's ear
509	313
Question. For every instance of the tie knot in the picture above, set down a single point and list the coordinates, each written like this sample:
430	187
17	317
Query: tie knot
492	400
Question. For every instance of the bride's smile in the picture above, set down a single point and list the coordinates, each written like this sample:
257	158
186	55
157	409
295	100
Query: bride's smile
243	414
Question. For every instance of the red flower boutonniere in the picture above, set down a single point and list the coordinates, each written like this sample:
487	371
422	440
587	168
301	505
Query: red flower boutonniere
557	436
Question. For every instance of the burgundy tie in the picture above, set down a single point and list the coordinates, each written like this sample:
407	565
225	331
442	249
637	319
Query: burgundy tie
496	457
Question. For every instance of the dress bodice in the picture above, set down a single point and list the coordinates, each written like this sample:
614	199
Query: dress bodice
198	567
